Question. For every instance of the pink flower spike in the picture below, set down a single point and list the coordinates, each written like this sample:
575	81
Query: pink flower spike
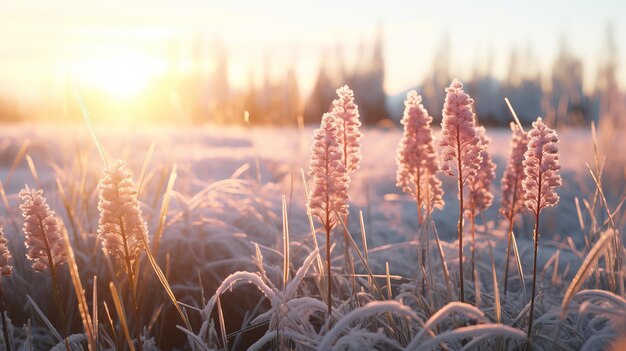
541	168
480	196
5	256
330	188
348	123
416	158
512	191
542	178
121	224
461	151
44	241
459	140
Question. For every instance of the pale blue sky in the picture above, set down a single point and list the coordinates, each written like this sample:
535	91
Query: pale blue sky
40	40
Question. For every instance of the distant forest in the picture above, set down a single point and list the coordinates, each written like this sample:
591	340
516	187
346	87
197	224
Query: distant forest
206	96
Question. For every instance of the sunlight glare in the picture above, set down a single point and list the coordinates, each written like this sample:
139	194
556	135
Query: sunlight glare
123	76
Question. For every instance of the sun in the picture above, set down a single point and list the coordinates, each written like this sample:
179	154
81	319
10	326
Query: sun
120	76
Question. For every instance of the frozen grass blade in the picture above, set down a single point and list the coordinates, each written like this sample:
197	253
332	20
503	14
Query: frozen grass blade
119	307
518	261
285	243
364	238
220	314
83	307
444	265
5	199
111	324
372	308
33	170
365	249
617	242
144	167
471	332
586	268
92	130
43	317
69	212
94	311
388	279
164	282
508	103
7	207
16	161
443	313
356	248
167	196
496	289
581	222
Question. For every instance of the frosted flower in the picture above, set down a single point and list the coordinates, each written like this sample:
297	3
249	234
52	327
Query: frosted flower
479	195
44	241
416	158
512	196
459	140
541	168
5	256
348	123
330	187
121	224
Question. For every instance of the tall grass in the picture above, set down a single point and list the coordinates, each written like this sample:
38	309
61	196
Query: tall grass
237	266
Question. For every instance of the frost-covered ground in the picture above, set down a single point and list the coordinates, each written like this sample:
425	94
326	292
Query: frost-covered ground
227	196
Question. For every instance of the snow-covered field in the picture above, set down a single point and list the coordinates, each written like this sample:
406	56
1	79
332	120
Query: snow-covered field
227	197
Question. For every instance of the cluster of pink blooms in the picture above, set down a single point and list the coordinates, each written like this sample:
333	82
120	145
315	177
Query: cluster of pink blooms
42	230
459	142
512	197
416	158
330	188
541	168
480	197
336	153
121	226
5	256
347	118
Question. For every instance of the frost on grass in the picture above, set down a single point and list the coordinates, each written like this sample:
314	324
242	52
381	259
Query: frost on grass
213	225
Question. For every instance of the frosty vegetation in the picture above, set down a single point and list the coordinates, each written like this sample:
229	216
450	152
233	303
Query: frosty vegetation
211	249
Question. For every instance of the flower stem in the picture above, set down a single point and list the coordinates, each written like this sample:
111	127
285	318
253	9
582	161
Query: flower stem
329	296
536	236
55	286
460	230
131	282
473	221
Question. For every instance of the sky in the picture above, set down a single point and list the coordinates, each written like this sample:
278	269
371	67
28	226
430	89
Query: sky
120	45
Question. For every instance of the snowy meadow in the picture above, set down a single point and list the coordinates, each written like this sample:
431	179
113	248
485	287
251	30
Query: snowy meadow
328	237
